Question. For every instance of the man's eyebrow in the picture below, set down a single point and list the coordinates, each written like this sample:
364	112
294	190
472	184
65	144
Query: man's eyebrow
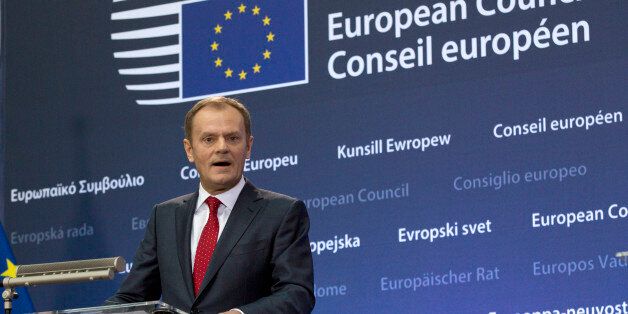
209	133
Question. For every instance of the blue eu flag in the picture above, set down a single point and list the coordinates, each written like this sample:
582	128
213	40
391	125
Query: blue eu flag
23	303
229	47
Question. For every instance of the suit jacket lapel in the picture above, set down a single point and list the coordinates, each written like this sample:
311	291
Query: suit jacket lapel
183	221
245	209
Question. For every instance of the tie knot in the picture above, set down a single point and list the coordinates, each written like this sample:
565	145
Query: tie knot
213	203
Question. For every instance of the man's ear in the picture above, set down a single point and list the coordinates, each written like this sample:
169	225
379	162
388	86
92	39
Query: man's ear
249	144
188	150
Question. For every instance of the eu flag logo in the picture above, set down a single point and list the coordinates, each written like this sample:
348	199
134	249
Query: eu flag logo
230	47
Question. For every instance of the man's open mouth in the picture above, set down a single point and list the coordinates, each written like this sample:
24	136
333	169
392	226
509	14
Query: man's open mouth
222	163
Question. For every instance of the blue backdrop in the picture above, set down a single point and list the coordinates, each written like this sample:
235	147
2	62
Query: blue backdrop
455	156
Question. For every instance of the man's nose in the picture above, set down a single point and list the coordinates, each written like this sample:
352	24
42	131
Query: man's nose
222	146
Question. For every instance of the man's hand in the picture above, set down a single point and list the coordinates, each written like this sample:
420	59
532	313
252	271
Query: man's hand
233	311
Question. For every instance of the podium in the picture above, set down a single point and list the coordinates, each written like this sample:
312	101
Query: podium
155	307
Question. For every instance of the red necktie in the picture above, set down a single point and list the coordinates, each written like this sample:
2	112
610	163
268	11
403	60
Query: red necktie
206	244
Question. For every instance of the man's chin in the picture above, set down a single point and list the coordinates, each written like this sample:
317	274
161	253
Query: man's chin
221	184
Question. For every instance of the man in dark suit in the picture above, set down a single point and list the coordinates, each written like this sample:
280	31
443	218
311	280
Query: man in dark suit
229	246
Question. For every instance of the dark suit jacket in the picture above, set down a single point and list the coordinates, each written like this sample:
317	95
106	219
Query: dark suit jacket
262	262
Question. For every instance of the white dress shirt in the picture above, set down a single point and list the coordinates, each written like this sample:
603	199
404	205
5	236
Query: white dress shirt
201	214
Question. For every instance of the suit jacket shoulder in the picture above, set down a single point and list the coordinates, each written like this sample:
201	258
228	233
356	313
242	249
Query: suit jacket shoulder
179	200
278	201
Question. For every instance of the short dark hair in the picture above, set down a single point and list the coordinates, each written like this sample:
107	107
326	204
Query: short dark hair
217	102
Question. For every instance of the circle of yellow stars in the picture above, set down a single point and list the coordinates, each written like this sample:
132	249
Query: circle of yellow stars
215	45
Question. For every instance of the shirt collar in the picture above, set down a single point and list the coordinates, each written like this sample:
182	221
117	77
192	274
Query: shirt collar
227	198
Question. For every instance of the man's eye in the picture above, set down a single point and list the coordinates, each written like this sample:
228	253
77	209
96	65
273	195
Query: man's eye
234	138
208	140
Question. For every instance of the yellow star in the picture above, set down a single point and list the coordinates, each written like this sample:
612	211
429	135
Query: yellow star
11	270
218	29
228	15
242	75
270	36
228	73
242	8
214	46
256	68
266	20
266	54
218	62
256	10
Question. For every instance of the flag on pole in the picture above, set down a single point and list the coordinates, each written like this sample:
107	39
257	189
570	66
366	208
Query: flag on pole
23	303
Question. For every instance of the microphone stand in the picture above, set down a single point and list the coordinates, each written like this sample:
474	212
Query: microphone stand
59	273
8	295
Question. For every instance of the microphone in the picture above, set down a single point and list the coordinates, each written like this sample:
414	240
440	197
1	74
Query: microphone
621	254
65	272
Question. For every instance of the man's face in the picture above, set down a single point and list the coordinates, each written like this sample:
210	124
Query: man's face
218	148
